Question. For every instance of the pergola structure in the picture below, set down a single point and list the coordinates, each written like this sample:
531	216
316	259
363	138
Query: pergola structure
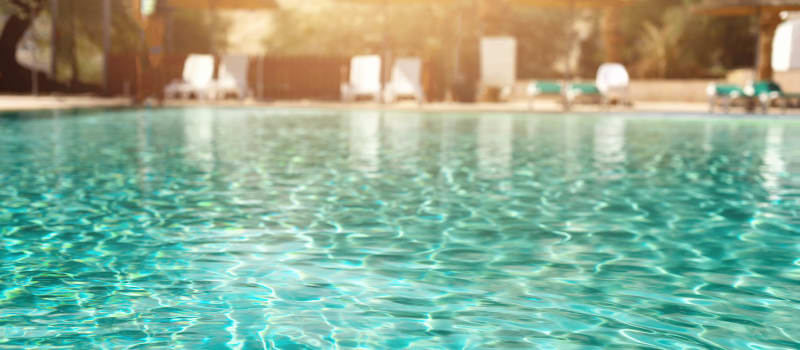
221	4
768	14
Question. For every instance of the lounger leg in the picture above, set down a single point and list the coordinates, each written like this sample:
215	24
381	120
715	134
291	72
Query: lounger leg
750	105
712	102
726	104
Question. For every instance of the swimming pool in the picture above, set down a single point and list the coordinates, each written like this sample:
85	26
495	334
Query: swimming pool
296	229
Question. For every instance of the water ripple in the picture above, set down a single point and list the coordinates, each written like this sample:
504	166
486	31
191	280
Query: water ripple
244	229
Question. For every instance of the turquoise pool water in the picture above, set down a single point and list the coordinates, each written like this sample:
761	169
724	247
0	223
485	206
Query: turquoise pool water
302	229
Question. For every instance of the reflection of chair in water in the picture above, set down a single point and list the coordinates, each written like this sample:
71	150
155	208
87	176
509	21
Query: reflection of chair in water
197	77
365	141
609	143
613	82
402	134
495	134
406	80
198	136
232	78
774	166
365	79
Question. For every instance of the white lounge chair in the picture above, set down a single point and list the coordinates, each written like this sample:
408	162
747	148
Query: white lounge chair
613	82
406	80
365	79
232	77
198	74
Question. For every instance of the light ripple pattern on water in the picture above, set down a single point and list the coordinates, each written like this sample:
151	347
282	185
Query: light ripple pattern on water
303	229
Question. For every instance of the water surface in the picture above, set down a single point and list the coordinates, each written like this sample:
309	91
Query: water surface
304	229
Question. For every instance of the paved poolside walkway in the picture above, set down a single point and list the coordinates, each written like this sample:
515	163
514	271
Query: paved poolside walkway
26	102
22	102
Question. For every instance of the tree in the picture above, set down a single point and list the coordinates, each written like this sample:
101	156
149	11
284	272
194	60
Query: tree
666	39
15	77
79	42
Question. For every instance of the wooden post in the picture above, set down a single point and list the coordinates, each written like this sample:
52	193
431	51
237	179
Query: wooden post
54	39
768	21
572	38
106	45
612	39
456	74
260	77
386	54
73	49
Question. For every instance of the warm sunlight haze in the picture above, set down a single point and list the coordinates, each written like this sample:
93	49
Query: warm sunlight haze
400	174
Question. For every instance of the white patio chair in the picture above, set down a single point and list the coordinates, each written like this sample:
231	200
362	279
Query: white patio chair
232	77
365	79
406	80
198	74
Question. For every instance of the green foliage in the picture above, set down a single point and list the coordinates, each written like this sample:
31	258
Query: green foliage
670	41
81	33
355	29
542	40
432	30
21	8
661	46
424	29
662	38
197	31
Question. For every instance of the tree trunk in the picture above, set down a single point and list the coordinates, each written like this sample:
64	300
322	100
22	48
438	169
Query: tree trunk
13	76
73	48
612	38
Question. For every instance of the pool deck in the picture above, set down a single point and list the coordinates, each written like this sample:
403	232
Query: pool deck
25	102
22	102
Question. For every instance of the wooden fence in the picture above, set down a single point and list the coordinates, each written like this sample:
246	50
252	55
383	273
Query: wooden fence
288	78
270	78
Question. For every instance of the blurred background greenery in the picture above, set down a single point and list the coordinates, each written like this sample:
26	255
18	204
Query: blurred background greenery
658	38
